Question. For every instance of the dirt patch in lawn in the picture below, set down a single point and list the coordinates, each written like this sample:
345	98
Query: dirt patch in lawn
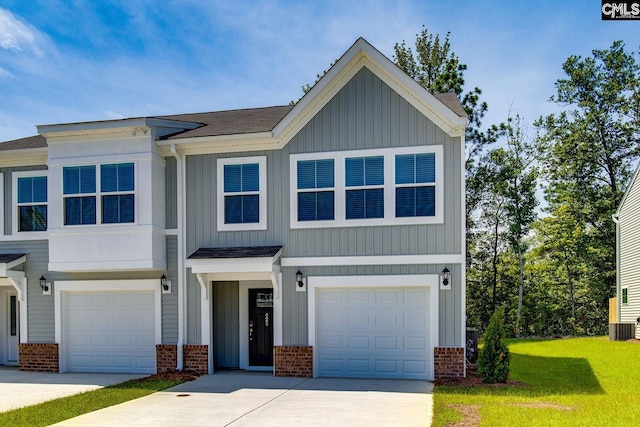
474	379
633	340
168	376
470	415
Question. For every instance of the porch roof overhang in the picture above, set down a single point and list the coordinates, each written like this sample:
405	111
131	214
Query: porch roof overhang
246	259
11	277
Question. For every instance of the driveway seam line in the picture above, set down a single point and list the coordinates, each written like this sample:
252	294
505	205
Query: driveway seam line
265	403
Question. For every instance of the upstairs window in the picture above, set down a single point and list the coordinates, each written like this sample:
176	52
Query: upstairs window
79	189
316	190
118	200
31	201
242	194
415	185
625	295
112	194
364	181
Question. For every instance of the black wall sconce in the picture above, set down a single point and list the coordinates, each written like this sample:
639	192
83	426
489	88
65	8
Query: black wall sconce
300	282
165	284
445	279
45	286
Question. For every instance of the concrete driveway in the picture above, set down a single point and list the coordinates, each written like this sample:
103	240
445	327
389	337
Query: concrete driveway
250	399
19	388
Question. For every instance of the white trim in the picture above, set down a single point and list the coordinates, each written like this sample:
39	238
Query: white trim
389	186
262	193
64	286
372	260
22	237
14	200
1	204
18	281
463	248
416	280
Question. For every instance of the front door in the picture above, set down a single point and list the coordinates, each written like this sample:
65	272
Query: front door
12	328
260	327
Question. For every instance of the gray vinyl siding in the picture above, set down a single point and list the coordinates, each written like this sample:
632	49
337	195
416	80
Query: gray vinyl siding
8	190
171	192
629	229
170	301
226	327
365	114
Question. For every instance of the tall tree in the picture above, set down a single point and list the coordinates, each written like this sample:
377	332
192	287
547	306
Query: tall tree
587	152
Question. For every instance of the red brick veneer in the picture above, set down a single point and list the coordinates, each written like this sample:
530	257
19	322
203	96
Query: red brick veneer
448	362
166	358
196	358
293	361
39	357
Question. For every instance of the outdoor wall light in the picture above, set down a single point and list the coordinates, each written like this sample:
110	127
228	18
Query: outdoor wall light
165	285
299	281
43	284
446	277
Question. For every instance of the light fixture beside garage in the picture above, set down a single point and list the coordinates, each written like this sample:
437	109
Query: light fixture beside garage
445	279
45	286
300	282
165	284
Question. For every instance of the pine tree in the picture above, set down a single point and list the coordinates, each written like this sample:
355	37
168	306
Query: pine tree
493	363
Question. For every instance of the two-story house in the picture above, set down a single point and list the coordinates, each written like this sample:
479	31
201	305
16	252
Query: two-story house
325	238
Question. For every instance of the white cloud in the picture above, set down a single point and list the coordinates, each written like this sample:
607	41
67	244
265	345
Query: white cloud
18	35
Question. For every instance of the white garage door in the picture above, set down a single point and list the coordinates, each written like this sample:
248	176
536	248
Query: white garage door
110	332
373	333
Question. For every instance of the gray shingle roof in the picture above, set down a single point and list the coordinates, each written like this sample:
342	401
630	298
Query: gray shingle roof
240	252
6	258
451	100
37	141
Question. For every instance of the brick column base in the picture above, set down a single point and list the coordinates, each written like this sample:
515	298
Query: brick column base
448	362
39	357
293	361
196	358
166	358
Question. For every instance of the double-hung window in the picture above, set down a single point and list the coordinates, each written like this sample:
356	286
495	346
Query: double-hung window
364	182
316	190
415	185
242	194
31	201
387	186
108	196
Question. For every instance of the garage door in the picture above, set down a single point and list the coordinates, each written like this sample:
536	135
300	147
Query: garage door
110	332
373	333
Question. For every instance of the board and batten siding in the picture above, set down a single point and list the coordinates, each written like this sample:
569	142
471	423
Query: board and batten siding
629	257
365	114
171	192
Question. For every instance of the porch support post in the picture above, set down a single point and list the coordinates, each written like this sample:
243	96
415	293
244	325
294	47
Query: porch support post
276	280
19	282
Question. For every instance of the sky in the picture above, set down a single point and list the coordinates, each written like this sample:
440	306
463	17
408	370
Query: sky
74	61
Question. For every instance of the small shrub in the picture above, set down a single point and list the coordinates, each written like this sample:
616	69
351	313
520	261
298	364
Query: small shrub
493	362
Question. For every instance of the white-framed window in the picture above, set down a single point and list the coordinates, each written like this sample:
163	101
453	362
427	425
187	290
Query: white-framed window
30	201
625	295
99	194
390	186
242	193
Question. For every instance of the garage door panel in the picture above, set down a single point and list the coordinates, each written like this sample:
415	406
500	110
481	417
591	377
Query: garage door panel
110	332
373	332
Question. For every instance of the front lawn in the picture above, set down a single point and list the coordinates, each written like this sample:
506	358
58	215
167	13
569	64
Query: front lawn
54	411
566	382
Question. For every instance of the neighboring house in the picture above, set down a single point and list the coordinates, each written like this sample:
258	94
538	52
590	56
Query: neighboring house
627	219
322	239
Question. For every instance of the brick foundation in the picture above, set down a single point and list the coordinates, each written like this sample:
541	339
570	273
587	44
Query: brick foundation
293	361
448	362
166	358
39	357
196	358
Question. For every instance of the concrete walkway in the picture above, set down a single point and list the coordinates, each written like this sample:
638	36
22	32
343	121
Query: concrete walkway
19	388
248	399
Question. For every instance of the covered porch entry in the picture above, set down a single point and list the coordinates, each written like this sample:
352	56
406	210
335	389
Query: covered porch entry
13	307
241	305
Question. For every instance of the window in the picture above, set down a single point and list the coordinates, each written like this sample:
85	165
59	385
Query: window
315	190
625	295
30	196
242	194
364	179
415	185
390	186
115	201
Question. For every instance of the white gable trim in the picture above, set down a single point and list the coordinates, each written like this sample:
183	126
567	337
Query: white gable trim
632	181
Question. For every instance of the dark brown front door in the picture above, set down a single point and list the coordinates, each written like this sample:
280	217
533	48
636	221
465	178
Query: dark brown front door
261	327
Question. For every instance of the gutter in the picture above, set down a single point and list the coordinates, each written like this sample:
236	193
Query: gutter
182	324
616	220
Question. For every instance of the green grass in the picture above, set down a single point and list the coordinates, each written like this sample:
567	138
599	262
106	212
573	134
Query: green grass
568	382
54	411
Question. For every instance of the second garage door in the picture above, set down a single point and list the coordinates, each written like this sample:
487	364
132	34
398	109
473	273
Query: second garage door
110	332
373	333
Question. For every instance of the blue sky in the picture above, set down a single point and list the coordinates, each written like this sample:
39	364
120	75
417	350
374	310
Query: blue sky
70	61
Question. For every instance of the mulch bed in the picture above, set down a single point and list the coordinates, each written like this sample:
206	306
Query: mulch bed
474	379
182	376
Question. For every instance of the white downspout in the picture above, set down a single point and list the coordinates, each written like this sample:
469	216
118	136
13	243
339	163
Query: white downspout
180	189
616	220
